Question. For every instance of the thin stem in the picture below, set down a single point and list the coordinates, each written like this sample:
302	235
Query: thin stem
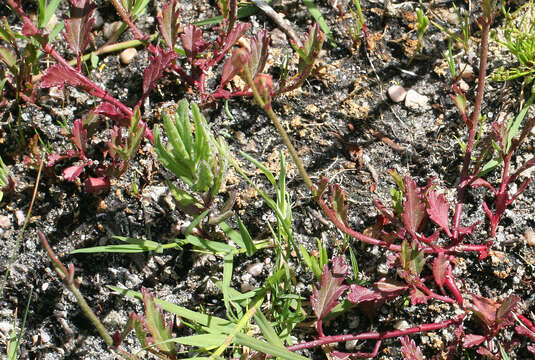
376	335
19	237
67	278
472	126
285	138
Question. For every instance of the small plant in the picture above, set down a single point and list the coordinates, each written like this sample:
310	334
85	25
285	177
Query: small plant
195	159
7	184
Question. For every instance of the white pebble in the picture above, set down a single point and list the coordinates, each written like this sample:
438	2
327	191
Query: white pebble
127	55
413	100
529	234
397	93
255	269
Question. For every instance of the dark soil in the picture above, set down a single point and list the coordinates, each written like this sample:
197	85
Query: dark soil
343	107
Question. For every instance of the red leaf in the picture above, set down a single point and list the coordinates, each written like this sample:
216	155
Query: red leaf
169	23
480	182
259	52
324	300
390	286
79	136
230	39
358	294
112	111
440	267
97	185
531	349
78	26
59	75
508	305
160	62
409	350
485	309
73	172
418	297
413	207
472	340
438	211
192	42
521	330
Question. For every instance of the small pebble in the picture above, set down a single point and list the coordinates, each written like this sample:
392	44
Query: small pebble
529	234
397	93
127	55
401	325
5	223
20	217
413	100
463	85
255	269
351	345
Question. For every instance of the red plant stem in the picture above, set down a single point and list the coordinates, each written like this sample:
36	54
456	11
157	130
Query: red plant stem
47	48
376	335
472	126
138	35
436	296
526	322
452	286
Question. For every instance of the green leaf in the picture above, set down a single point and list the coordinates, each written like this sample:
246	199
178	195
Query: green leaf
267	348
228	265
204	341
133	246
513	127
183	197
243	12
205	177
213	323
156	324
196	221
246	238
267	330
262	168
207	245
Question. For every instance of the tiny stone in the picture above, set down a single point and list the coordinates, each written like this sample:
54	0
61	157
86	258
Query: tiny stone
5	223
463	85
397	93
413	100
127	55
255	269
401	325
20	217
44	286
529	234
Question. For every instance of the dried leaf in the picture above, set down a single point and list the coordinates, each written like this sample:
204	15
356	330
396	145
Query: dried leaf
326	298
79	136
259	52
78	26
438	211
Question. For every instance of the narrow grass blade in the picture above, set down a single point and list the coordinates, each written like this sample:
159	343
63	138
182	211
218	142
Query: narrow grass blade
267	348
316	14
216	324
267	330
133	246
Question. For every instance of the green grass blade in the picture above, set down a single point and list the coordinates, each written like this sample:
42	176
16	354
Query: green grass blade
316	14
267	330
214	323
514	126
244	11
207	245
267	348
133	246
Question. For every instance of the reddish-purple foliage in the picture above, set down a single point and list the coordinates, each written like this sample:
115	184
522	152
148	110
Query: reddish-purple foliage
409	350
331	288
78	26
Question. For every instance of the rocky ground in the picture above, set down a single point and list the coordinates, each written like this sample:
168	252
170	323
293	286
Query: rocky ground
344	125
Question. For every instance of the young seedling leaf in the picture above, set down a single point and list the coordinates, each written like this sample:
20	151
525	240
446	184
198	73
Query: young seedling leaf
158	64
438	211
326	298
169	23
158	328
192	42
78	26
471	340
440	267
413	207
